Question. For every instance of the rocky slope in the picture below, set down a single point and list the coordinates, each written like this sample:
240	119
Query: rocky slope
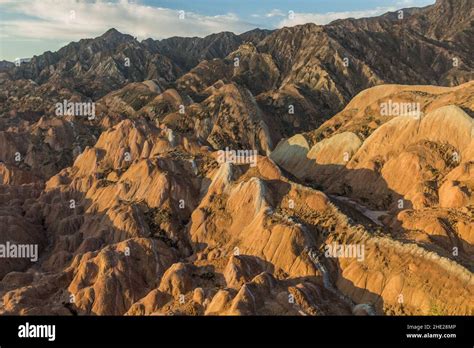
311	170
139	225
414	170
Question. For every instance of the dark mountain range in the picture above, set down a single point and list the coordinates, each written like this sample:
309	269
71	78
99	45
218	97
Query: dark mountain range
394	44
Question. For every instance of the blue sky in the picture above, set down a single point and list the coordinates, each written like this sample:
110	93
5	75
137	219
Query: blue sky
29	27
246	8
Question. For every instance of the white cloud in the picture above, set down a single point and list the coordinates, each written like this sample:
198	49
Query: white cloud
73	20
325	18
275	13
405	3
30	26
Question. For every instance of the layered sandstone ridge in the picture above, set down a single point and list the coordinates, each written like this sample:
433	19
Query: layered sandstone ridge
145	224
410	174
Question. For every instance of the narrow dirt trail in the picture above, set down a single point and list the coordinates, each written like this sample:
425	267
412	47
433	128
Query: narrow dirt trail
372	215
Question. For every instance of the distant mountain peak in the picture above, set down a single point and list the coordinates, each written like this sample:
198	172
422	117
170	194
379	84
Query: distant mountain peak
114	34
111	32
